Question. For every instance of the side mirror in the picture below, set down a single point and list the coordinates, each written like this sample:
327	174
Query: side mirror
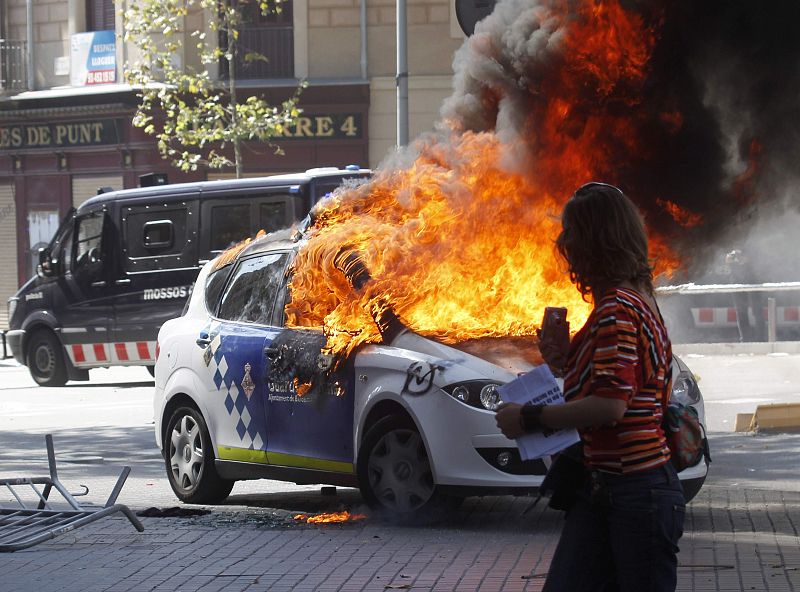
45	267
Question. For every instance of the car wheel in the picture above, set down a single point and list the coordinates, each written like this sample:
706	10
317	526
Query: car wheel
189	460
394	472
45	359
691	487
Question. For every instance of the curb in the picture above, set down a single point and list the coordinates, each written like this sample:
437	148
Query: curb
754	348
777	417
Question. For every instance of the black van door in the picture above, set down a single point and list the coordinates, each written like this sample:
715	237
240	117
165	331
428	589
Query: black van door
86	309
157	268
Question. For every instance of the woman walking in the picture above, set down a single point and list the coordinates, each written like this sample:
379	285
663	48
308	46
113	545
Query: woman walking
621	533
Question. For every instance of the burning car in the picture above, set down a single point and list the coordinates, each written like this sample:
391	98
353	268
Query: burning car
409	420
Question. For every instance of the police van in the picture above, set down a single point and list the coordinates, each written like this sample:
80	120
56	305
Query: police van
126	261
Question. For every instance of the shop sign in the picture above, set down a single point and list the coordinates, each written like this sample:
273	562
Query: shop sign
334	126
64	135
93	58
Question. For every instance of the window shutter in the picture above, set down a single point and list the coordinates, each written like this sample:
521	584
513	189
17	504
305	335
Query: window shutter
100	15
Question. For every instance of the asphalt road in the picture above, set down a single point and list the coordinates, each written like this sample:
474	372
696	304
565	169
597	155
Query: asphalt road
106	423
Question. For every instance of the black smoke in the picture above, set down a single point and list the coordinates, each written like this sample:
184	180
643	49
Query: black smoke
733	68
730	68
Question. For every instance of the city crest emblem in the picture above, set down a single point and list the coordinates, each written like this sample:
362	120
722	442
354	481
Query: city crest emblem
248	386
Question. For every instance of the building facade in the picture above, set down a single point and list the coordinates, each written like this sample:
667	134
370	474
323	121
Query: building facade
65	112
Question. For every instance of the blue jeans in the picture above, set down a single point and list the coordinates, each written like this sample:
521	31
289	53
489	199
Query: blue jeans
621	535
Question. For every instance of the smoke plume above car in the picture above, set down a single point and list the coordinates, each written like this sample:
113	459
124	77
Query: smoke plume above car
683	105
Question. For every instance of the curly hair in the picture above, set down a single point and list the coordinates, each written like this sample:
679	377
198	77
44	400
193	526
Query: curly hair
603	240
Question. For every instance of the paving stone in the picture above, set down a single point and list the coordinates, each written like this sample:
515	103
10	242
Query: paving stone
734	540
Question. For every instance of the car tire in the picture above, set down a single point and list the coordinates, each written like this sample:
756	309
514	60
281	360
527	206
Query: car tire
189	459
395	475
45	359
691	487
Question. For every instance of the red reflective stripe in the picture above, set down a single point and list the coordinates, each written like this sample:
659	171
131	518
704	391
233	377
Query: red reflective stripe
732	315
99	352
144	351
705	315
77	353
791	313
122	352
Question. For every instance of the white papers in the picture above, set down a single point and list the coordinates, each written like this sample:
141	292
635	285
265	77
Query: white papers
538	387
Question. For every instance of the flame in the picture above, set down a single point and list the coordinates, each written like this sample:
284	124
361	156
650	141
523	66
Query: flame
301	388
231	252
683	217
459	244
333	517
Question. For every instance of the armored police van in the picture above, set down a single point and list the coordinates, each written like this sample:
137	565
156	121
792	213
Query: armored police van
126	261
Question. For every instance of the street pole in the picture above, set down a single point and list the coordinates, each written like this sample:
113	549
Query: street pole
30	46
401	80
363	31
772	320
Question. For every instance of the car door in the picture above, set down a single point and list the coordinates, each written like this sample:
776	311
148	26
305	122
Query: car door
232	359
309	402
86	309
156	269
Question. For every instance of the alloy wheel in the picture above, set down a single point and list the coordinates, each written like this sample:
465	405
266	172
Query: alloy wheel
186	453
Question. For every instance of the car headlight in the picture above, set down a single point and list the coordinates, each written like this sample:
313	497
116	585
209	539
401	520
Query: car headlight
477	393
685	390
12	307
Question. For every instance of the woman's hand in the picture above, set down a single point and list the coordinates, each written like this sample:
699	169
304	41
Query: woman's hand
508	417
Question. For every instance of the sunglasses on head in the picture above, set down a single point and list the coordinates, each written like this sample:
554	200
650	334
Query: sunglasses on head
594	185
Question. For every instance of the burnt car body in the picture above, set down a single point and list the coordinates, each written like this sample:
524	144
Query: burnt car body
241	396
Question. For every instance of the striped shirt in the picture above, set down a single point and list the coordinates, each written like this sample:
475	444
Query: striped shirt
622	352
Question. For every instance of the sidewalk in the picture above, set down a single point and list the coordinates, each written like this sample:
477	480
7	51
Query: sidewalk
736	539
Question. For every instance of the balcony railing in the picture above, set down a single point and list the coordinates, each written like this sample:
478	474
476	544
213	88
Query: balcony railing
13	70
276	44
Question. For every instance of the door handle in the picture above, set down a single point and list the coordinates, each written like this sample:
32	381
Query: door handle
99	284
123	281
203	340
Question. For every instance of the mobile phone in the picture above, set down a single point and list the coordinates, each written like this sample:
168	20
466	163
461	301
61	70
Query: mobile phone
554	320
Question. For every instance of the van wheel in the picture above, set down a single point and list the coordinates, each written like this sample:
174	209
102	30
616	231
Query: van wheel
394	472
45	359
189	460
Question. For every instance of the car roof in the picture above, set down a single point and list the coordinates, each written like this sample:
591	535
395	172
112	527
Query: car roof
287	239
281	240
176	191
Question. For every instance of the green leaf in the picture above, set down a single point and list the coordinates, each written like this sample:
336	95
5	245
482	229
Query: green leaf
253	56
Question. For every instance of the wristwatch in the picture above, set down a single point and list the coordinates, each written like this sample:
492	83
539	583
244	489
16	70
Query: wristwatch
530	418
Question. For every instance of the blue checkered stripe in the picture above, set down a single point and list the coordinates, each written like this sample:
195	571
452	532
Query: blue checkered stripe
235	398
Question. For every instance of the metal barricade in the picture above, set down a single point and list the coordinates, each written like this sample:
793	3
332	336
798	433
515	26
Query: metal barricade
22	525
687	289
